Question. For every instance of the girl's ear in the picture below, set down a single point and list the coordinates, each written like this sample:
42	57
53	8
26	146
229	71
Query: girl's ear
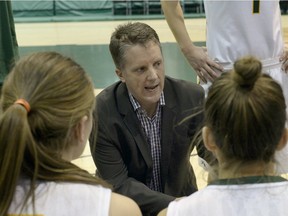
120	75
81	130
208	140
283	141
78	140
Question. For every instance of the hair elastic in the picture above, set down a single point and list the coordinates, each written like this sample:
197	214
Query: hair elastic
24	103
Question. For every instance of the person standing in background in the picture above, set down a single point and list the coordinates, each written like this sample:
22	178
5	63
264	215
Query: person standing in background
235	29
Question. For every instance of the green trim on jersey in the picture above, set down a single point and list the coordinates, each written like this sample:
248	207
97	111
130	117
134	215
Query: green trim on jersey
248	180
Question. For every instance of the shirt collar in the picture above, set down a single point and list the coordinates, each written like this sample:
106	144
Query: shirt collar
136	104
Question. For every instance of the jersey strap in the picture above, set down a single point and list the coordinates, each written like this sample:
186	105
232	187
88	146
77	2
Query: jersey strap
248	180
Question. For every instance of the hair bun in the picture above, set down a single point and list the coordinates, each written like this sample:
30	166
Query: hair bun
246	71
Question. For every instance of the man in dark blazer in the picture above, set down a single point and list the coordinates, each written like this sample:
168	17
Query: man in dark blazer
146	122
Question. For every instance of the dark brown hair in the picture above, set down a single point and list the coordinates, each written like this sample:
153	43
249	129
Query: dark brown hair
245	110
128	35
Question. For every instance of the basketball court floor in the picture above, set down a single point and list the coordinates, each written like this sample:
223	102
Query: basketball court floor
87	43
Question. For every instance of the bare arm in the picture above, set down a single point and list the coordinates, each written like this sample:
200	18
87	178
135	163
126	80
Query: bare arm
123	206
163	212
284	60
206	69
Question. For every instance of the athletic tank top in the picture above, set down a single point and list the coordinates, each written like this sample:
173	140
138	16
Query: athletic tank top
61	198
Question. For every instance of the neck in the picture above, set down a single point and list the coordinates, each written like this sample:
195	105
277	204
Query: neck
245	169
151	110
67	157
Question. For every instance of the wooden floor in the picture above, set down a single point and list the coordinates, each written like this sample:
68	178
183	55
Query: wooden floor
67	33
39	34
96	32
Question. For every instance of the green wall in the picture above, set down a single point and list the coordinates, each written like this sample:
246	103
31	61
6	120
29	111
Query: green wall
97	62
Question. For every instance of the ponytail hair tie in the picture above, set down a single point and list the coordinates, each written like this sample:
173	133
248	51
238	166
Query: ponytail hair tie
24	103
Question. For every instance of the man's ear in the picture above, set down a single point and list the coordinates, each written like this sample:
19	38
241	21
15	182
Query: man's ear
120	75
283	141
208	140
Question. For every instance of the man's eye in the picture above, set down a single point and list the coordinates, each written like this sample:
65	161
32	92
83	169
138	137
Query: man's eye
158	63
140	70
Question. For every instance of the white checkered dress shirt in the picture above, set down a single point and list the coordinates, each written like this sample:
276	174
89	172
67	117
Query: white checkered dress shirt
152	128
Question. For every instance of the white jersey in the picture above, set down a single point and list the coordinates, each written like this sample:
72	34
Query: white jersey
242	27
250	199
55	199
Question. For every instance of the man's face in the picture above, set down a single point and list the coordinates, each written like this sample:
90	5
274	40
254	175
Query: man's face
143	73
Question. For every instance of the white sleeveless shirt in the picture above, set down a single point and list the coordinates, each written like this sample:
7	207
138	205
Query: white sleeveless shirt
256	197
58	199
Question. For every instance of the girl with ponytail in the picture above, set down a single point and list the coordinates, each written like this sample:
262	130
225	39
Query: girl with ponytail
245	115
45	120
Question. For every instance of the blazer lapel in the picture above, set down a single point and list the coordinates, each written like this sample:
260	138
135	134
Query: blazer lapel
166	142
133	124
167	125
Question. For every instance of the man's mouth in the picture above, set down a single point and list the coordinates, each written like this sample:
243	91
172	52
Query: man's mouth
151	87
